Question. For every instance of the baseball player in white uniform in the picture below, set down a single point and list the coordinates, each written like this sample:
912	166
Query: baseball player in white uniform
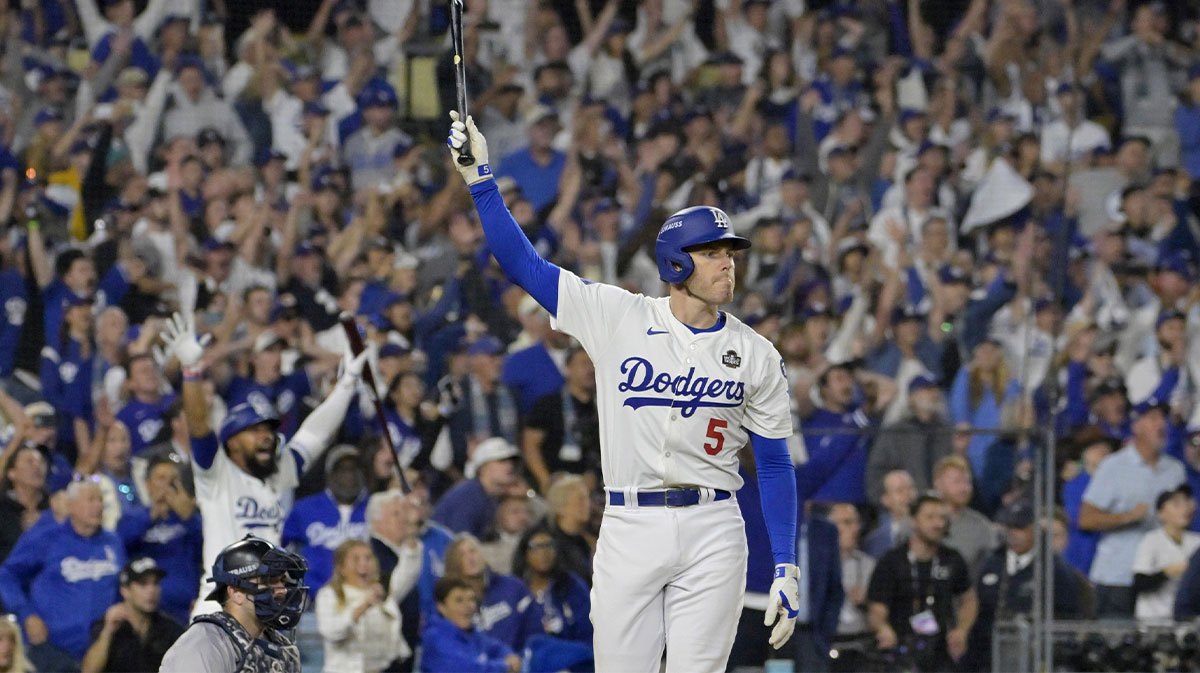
681	387
247	488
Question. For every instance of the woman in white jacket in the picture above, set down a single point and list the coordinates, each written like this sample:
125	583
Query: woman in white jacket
360	625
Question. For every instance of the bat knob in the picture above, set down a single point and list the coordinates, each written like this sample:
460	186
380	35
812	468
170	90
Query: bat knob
465	159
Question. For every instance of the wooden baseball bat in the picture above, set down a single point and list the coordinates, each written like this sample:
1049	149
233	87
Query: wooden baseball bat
356	347
465	156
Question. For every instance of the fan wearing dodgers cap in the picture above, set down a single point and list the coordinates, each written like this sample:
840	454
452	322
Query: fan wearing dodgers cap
470	506
266	384
245	477
134	634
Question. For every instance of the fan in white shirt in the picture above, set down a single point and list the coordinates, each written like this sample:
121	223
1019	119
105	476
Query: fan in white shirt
1163	554
1071	138
360	625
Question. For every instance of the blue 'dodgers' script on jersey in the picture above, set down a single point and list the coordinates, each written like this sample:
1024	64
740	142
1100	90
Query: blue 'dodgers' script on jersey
697	392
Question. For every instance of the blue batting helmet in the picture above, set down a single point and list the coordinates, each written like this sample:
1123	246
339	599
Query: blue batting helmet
246	415
688	228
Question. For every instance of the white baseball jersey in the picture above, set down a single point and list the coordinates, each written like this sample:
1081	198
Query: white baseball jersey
233	502
674	406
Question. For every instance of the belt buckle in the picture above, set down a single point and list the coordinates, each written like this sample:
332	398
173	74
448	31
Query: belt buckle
667	497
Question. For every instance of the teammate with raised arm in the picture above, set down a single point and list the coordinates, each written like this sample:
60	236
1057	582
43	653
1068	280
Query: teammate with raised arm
246	487
681	387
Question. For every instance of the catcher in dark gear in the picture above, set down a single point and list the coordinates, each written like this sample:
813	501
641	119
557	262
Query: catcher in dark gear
261	589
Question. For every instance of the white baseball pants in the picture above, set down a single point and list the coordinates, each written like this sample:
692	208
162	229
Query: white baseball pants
668	577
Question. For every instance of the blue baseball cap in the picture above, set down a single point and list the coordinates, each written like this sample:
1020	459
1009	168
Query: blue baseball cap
952	274
910	113
45	115
814	311
323	179
315	109
267	155
1176	262
378	94
393	350
1065	87
1151	404
921	381
1000	114
300	71
905	313
486	345
1169	314
725	58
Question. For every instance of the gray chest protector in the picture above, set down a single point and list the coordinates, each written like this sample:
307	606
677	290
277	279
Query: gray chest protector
271	653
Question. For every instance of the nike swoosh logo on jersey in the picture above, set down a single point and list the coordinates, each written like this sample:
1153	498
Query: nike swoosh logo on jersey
651	331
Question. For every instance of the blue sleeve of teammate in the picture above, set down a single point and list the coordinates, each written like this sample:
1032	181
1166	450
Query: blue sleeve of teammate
512	248
204	450
777	486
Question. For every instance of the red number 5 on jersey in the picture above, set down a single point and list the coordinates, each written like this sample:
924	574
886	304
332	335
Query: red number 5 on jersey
715	426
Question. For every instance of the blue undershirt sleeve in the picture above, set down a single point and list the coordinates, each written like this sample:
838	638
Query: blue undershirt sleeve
512	248
777	489
204	450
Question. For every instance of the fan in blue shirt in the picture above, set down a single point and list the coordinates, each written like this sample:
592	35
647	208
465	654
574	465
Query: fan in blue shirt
452	644
321	522
267	384
67	372
507	611
168	531
144	414
62	577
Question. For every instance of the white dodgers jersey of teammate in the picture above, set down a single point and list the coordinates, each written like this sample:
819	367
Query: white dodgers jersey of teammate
234	503
674	406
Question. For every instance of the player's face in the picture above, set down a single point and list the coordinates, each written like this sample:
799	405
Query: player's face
256	446
459	607
712	281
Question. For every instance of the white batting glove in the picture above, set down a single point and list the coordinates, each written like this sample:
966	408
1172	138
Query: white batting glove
784	603
352	367
479	170
179	335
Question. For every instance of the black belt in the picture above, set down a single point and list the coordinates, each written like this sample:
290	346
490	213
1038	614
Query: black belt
675	497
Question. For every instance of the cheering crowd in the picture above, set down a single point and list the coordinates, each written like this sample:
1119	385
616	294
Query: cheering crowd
975	237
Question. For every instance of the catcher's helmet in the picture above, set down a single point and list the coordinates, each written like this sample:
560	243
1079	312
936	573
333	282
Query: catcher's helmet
246	415
239	564
686	229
